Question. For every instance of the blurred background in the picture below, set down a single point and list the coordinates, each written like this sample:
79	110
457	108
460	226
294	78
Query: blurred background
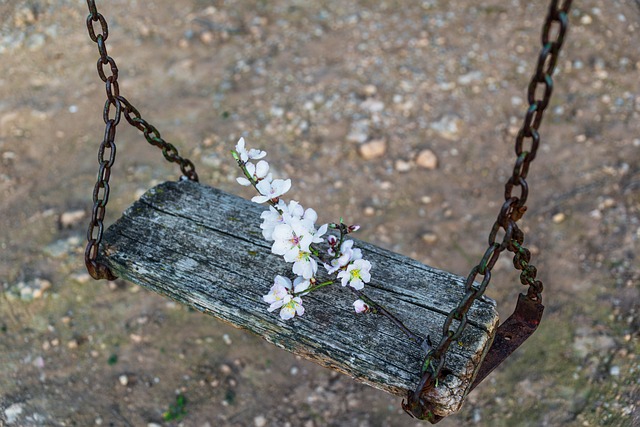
399	116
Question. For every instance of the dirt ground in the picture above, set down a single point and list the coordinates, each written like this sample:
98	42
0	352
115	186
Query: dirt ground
344	96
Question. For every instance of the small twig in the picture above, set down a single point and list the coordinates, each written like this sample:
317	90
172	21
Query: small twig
379	309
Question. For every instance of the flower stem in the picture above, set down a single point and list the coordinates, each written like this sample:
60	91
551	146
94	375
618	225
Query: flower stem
379	309
316	287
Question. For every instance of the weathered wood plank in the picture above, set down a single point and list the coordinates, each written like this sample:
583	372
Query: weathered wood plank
204	248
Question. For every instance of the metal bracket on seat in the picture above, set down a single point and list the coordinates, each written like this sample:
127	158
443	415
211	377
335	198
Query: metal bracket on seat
509	336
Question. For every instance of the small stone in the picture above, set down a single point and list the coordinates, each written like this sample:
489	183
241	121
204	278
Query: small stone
369	211
372	105
8	156
39	286
373	149
402	165
607	203
72	345
469	78
359	131
124	380
206	37
260	421
558	218
586	20
427	159
226	339
430	237
12	413
225	369
614	370
425	199
211	160
370	90
294	370
448	127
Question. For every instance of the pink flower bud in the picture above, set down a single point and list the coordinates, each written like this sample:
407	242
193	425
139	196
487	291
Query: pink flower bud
360	306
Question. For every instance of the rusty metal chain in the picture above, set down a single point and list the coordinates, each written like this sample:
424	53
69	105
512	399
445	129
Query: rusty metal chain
513	208
114	107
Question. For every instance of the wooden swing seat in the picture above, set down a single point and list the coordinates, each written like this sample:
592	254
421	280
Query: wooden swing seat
204	248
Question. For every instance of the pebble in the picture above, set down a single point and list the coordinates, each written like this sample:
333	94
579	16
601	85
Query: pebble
62	247
448	126
369	211
359	131
615	371
372	149
71	218
430	237
226	339
469	78
427	159
124	380
558	218
607	203
372	105
402	165
260	421
586	20
12	413
30	290
370	90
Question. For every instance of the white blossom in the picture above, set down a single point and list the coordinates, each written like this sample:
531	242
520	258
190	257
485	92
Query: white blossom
300	285
290	239
281	296
270	190
347	255
356	274
291	308
303	264
279	293
272	217
245	154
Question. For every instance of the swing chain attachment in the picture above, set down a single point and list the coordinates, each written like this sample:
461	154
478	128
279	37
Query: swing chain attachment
114	107
526	317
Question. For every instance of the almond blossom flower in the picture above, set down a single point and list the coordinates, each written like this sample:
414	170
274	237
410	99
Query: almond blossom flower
303	264
356	274
271	190
283	214
257	172
360	306
290	239
291	308
347	254
281	296
279	293
250	154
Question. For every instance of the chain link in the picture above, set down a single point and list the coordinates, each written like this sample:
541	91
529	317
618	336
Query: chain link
114	107
553	32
